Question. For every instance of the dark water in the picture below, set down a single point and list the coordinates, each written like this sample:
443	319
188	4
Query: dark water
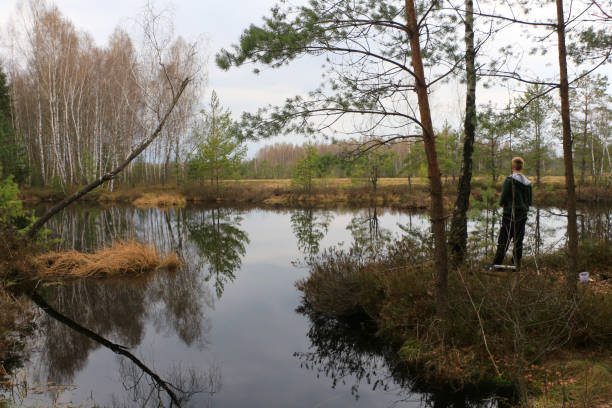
229	329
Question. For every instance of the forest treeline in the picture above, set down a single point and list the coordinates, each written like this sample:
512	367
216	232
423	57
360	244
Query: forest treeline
55	147
77	108
74	109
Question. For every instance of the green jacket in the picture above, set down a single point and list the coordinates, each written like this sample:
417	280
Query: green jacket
523	195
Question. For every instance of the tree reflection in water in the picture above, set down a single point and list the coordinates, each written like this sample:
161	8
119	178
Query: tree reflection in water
185	383
348	353
369	239
209	241
310	227
146	386
220	243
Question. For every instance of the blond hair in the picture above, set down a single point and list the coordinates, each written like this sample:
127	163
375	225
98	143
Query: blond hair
518	163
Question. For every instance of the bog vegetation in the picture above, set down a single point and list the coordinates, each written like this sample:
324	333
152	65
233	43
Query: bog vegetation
66	129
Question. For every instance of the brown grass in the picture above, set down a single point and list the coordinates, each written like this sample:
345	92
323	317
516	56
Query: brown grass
164	200
120	259
327	192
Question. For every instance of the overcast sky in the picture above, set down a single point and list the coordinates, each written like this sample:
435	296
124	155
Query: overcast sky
220	23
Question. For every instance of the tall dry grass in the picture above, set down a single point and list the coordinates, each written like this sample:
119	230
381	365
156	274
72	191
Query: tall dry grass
119	260
163	200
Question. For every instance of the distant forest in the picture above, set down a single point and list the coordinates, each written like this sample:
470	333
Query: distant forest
65	123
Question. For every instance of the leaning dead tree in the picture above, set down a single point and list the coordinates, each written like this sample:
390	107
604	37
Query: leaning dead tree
79	108
166	74
112	174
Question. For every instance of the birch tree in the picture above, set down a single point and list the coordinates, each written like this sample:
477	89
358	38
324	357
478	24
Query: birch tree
80	108
161	81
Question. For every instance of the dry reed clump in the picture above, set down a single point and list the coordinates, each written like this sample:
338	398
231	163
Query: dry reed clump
163	200
120	259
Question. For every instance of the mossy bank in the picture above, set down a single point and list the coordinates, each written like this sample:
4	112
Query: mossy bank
519	329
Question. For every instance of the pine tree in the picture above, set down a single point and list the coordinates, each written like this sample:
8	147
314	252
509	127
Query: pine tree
218	150
13	161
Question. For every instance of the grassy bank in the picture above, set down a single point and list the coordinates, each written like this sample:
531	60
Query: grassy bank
278	193
391	192
501	328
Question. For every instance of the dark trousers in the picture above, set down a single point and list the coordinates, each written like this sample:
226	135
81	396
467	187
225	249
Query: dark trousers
512	229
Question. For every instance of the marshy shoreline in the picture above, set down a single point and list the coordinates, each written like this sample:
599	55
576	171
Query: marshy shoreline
509	330
397	193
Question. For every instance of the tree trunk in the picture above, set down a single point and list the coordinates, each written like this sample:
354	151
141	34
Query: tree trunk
572	229
435	182
458	229
584	144
538	147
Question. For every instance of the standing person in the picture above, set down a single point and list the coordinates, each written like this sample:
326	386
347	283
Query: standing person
516	197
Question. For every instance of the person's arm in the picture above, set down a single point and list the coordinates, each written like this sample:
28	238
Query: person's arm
506	192
530	197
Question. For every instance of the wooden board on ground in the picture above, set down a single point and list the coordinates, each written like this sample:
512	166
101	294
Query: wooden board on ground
500	270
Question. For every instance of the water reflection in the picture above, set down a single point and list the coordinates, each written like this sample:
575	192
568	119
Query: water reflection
369	238
146	386
595	223
167	321
211	238
310	227
219	242
121	310
346	352
183	383
179	304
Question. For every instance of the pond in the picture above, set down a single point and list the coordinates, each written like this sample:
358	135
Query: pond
229	329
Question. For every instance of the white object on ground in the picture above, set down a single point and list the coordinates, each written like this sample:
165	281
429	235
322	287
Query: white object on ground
583	276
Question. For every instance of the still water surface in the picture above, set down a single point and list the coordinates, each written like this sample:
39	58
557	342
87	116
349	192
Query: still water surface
229	329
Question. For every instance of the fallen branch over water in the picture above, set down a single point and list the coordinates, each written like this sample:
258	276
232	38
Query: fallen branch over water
120	259
113	173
